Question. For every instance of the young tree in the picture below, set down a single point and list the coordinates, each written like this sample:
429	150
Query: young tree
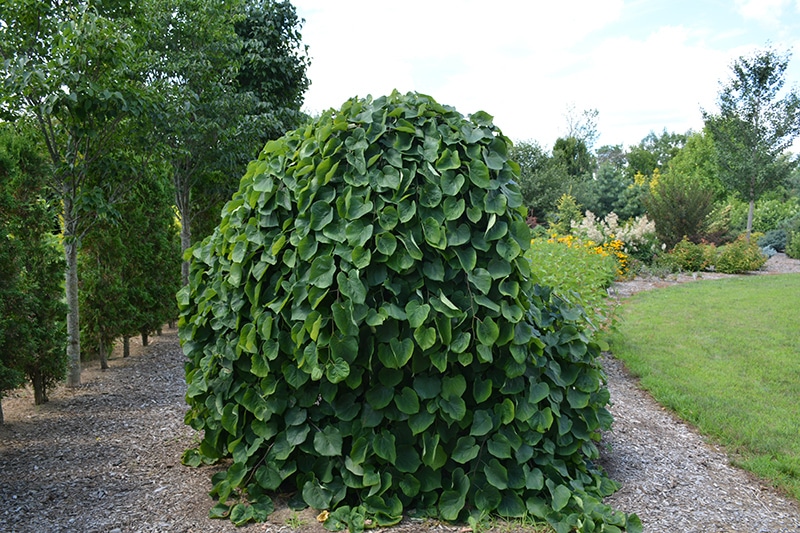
582	126
32	334
574	154
73	71
755	125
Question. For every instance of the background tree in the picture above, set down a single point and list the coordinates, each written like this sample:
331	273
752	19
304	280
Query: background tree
232	74
272	71
755	125
698	158
582	126
542	180
654	151
574	154
130	269
73	71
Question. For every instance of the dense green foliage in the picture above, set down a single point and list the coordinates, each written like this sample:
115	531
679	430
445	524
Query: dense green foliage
724	366
74	70
230	75
542	180
739	256
362	329
116	90
32	337
735	257
129	282
680	204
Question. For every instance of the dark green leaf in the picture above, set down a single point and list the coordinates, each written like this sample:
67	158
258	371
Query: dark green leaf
384	446
482	423
496	474
434	233
425	337
466	450
561	495
407	401
487	331
321	272
479	174
328	442
427	387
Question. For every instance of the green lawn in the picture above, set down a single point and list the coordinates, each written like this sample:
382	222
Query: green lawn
725	355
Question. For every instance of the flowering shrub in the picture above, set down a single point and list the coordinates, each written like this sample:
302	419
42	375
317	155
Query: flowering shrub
637	236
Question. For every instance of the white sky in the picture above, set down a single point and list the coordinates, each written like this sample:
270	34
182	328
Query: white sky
645	65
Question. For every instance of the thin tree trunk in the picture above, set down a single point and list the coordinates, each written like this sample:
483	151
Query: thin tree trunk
73	325
126	346
1	412
39	393
103	354
145	339
750	212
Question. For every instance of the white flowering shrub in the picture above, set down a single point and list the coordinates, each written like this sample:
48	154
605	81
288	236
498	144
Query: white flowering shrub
638	234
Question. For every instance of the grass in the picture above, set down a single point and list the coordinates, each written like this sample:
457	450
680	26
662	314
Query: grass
725	356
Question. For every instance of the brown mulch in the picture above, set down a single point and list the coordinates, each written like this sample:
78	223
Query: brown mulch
105	457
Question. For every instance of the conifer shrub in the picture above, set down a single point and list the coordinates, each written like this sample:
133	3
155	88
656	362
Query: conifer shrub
362	331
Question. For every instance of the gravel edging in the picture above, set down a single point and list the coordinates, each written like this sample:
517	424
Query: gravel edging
673	479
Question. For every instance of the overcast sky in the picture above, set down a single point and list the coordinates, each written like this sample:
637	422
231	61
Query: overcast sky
645	65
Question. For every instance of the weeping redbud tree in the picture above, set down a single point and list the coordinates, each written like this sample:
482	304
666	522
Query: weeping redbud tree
362	331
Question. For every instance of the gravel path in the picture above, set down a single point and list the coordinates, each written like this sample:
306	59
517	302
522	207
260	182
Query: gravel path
674	480
105	457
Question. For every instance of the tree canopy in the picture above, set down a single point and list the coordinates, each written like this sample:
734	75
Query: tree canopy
757	121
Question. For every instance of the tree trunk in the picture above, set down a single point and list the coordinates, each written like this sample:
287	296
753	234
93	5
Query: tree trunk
145	339
39	392
126	346
158	331
73	325
750	211
1	412
103	354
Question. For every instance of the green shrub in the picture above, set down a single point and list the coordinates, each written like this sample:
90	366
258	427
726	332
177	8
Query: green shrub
739	256
793	245
687	256
361	330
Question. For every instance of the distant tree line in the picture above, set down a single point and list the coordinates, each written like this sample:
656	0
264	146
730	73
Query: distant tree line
691	184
